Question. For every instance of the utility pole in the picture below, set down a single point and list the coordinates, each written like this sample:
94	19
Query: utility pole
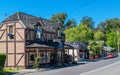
118	40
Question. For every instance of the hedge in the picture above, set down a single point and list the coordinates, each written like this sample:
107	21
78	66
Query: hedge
2	62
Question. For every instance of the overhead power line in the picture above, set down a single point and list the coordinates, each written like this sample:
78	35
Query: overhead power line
84	5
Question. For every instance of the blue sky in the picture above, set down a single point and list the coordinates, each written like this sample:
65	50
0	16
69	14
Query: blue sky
99	10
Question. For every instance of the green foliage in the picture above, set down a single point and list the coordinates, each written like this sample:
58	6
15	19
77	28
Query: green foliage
110	24
2	62
109	27
37	63
60	18
99	35
96	47
112	39
80	33
88	21
70	23
86	31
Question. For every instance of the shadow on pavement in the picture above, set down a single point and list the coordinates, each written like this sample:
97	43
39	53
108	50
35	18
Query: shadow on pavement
10	73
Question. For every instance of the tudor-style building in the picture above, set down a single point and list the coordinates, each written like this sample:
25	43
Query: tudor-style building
24	37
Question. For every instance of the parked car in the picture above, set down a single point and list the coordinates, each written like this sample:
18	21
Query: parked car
115	54
109	56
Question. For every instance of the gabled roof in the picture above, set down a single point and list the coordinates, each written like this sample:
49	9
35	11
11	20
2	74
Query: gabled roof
36	45
29	21
43	44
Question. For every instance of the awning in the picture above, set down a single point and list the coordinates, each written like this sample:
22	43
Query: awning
108	48
36	45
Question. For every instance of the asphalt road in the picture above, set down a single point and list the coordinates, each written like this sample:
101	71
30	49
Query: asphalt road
113	69
80	69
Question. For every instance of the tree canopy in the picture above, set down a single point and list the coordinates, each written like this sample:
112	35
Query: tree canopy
80	33
110	24
99	35
70	23
88	21
61	18
85	31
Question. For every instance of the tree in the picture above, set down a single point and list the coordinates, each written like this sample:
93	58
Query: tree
96	47
70	23
70	34
110	24
60	18
97	44
107	26
80	33
112	39
98	36
88	21
101	27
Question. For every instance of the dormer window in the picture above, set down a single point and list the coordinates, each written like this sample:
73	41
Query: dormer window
58	33
38	32
63	37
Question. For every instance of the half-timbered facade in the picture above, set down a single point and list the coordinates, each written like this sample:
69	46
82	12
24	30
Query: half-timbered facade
24	37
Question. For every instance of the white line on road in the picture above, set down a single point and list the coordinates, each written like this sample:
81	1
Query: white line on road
100	68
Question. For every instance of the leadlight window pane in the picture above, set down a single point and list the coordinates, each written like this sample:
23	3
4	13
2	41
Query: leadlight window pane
38	32
58	33
10	29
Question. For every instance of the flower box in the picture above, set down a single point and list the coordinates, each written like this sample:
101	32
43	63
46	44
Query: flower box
11	36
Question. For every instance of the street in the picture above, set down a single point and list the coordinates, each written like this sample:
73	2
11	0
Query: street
113	69
84	69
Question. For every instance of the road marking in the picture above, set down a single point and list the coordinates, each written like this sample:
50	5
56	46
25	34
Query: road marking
100	68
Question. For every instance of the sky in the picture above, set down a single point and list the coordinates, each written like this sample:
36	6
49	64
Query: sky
99	10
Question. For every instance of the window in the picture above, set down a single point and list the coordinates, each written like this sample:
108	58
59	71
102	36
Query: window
10	33
10	29
58	33
32	57
38	32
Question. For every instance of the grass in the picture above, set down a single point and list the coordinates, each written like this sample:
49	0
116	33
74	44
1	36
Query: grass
11	70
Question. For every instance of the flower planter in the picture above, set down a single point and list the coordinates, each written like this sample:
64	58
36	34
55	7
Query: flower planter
91	57
11	36
96	57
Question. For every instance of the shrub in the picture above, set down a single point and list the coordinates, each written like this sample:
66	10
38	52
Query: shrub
2	62
37	62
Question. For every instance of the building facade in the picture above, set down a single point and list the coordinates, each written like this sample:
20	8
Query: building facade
24	37
81	51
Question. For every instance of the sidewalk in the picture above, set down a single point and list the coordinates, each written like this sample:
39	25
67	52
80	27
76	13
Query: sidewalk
27	71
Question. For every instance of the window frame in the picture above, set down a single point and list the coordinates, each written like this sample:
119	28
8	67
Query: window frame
38	32
11	29
58	33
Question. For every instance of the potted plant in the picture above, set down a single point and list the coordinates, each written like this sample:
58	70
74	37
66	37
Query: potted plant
37	63
96	56
91	57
